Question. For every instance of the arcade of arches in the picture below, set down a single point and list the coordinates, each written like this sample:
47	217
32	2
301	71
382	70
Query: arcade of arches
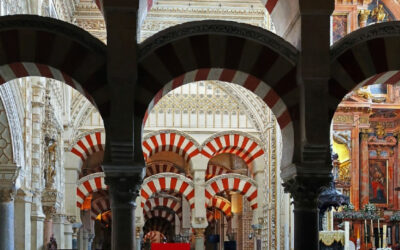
216	123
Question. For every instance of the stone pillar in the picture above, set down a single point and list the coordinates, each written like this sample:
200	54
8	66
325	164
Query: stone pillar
72	167
123	185
37	226
259	177
138	236
75	234
199	238
8	176
22	225
58	230
86	229
37	215
305	192
68	232
48	224
84	236
364	170
7	218
199	212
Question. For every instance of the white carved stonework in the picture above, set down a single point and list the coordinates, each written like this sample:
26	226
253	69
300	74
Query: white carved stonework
9	7
8	176
6	149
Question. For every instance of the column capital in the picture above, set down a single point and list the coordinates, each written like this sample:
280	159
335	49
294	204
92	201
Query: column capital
199	232
7	194
49	211
123	189
306	189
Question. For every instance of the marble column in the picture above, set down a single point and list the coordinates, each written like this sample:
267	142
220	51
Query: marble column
36	152
123	190
48	224
75	236
7	218
22	225
68	234
138	236
305	192
199	238
199	212
364	170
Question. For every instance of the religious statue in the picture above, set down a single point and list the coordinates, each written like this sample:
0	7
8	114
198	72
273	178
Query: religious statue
378	13
50	171
364	93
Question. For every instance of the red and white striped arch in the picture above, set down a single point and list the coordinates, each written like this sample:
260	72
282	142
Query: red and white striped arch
54	49
100	205
183	145
89	184
215	170
158	202
157	167
366	56
232	182
222	204
88	145
257	86
196	55
167	182
243	146
160	213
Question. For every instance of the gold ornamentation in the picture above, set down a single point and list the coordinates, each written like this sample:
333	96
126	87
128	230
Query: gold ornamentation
344	171
364	120
364	14
343	119
378	13
364	93
329	237
199	232
380	130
